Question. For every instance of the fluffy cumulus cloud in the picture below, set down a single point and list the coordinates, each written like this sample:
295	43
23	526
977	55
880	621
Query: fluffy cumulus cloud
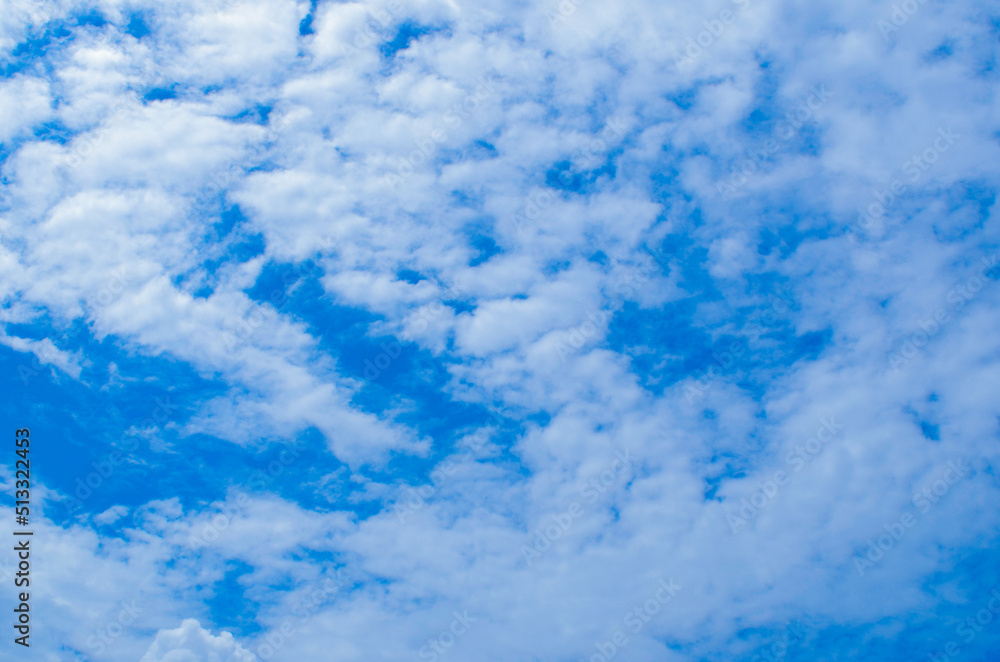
548	331
192	643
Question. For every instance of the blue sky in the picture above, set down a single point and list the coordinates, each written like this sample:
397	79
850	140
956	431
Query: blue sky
559	332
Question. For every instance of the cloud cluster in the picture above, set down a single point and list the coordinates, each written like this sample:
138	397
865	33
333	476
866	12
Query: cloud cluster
192	643
362	227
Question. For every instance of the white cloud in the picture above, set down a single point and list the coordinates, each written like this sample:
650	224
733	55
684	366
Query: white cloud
192	643
46	353
113	228
111	515
25	102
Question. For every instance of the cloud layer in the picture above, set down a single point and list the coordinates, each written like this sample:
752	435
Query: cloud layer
397	331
